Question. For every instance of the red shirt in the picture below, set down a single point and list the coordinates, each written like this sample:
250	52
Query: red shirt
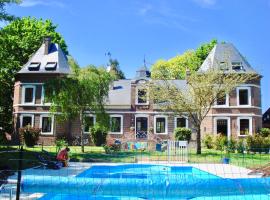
62	155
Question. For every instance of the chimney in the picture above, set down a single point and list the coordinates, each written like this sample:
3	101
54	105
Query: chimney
47	42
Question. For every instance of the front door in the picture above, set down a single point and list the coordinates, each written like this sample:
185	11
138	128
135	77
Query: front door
141	127
222	127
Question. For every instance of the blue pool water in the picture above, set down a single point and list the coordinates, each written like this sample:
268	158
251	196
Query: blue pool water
133	181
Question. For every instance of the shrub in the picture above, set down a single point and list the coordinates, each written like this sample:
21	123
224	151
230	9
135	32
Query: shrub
182	134
258	143
241	145
98	134
29	135
60	143
231	145
111	146
208	141
265	132
220	142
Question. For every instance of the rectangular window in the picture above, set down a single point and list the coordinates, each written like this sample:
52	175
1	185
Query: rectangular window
181	122
160	125
89	122
34	66
51	66
222	101
28	94
243	96
223	66
116	124
244	126
46	124
26	120
237	66
142	96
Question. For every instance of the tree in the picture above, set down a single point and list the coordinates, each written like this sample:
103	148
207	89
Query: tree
176	67
115	70
202	91
18	41
73	95
3	15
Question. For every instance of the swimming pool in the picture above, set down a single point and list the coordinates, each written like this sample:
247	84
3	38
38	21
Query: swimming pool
144	181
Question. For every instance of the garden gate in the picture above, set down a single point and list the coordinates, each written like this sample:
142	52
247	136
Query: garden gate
177	151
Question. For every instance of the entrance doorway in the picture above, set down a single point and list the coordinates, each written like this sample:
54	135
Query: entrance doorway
141	127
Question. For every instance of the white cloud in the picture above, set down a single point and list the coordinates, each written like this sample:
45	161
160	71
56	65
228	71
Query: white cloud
205	3
32	3
164	14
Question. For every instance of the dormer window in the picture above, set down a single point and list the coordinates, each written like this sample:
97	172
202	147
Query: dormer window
51	66
34	66
237	66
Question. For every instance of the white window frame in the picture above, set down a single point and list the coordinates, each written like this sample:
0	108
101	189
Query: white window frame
89	115
147	96
122	125
175	121
250	126
24	87
26	115
166	124
52	124
249	96
228	125
43	97
225	105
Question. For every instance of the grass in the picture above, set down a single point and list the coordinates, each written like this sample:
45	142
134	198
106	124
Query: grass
97	154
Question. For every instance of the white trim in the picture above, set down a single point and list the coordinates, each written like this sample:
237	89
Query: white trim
175	121
28	84
147	97
121	131
43	97
239	107
227	103
234	115
26	115
250	85
166	124
94	121
23	95
250	126
228	125
52	123
249	96
32	105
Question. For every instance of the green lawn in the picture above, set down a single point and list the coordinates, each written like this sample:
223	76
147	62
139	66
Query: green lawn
97	154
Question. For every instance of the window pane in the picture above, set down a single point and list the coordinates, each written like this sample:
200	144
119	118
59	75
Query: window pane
243	97
46	124
116	124
160	125
244	126
180	122
88	123
29	95
27	120
142	96
221	100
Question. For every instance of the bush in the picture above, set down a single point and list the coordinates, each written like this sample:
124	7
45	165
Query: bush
265	132
29	135
111	146
258	143
208	141
220	142
241	145
60	143
182	134
98	134
231	145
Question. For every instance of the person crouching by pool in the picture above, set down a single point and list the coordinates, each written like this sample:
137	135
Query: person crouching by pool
63	157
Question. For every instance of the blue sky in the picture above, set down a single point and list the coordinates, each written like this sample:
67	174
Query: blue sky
130	29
